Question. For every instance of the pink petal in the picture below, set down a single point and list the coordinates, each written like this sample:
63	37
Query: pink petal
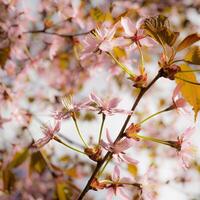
123	145
128	26
116	174
120	192
110	194
113	102
187	133
130	160
108	137
96	99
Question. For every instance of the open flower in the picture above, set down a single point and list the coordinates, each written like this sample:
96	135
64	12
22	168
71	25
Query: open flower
116	188
149	185
136	34
49	133
70	108
186	149
107	107
101	39
118	149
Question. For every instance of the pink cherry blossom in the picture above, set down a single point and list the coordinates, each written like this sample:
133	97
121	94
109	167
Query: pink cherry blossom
101	39
149	185
49	133
134	32
186	149
116	188
107	107
70	107
118	149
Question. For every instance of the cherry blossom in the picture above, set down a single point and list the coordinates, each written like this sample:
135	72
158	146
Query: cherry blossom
185	149
134	32
118	149
107	107
70	108
49	133
117	188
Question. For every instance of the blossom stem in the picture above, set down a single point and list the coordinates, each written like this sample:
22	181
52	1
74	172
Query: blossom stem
70	147
123	67
153	115
78	131
101	128
147	138
141	67
194	83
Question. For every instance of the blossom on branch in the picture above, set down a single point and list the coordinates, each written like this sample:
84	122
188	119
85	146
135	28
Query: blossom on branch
107	107
49	133
118	149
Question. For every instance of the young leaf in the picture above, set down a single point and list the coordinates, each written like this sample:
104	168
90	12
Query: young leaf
188	41
37	162
190	92
19	158
193	55
4	54
158	28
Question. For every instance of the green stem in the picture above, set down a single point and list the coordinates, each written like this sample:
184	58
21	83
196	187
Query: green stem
78	131
103	168
194	83
123	67
153	140
141	59
101	128
70	147
153	115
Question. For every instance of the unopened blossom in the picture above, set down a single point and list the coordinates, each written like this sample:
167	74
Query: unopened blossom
49	132
136	34
117	188
70	108
107	107
118	149
178	101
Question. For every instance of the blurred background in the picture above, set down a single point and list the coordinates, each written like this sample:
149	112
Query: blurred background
38	67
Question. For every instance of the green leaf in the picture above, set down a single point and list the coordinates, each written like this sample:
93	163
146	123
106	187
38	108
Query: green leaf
193	55
188	41
189	91
37	162
4	54
158	28
19	158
